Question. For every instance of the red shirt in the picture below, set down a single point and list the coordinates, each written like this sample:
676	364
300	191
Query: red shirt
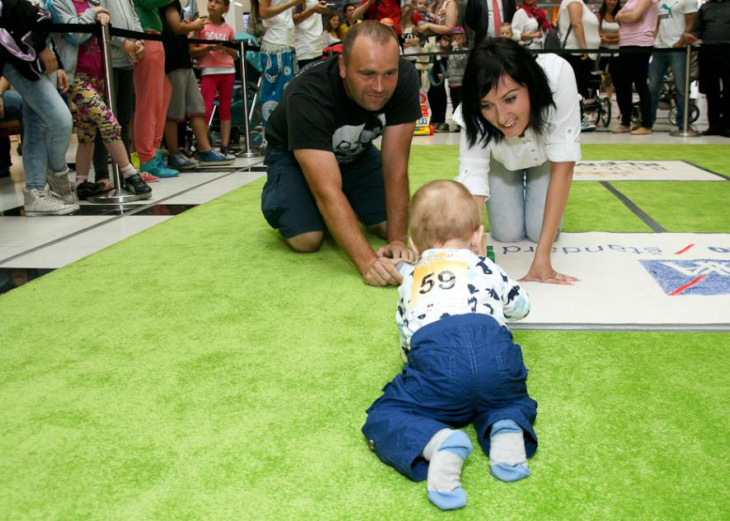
380	9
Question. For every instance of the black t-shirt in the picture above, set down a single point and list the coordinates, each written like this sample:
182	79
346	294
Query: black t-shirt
316	113
177	54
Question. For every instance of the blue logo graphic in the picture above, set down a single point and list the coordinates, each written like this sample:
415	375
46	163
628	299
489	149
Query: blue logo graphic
691	277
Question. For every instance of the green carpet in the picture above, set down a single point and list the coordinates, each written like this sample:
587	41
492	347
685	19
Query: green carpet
199	370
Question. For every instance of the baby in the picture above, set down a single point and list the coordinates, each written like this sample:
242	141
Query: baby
461	363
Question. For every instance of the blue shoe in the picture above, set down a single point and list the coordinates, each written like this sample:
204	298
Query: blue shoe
180	162
155	166
213	158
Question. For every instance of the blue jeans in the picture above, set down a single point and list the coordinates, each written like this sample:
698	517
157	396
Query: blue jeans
517	201
660	62
13	103
47	123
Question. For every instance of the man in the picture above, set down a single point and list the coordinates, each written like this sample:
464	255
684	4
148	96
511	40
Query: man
323	171
676	17
479	17
349	20
379	9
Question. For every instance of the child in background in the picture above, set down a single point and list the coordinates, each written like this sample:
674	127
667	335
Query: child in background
330	36
505	31
82	58
186	101
456	65
461	362
217	70
437	91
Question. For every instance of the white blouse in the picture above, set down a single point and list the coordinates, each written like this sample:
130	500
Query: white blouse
522	23
560	143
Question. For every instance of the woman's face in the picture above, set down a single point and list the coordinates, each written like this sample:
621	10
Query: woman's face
335	22
611	4
507	107
529	2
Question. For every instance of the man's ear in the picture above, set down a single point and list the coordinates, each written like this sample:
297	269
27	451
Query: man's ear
478	243
341	62
413	246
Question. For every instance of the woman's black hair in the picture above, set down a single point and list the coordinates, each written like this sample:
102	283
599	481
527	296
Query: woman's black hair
489	62
602	10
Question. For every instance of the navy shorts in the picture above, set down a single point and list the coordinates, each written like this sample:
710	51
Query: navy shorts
460	369
289	206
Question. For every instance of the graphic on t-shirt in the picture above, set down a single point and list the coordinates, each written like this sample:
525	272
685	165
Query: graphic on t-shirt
349	141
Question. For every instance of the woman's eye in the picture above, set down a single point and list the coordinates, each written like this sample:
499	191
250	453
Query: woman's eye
511	99
486	106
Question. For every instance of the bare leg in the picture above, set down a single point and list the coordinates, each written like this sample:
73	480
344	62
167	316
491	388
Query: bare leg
225	133
306	242
200	129
171	137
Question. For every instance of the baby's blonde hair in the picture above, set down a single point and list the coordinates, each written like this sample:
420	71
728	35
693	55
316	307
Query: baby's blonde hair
442	211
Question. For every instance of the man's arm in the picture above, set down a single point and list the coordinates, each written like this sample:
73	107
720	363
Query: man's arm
324	178
395	150
360	10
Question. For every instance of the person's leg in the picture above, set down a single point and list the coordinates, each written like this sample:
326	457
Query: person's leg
622	84
639	72
725	93
710	86
124	91
279	69
657	69
678	62
208	88
225	99
288	204
536	186
506	206
149	86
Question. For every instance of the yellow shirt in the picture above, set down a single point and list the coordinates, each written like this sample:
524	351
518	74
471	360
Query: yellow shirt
342	29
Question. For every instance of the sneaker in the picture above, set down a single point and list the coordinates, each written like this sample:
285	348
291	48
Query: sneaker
621	129
587	127
134	184
61	185
40	202
213	158
227	153
134	159
641	131
180	162
148	178
88	189
157	168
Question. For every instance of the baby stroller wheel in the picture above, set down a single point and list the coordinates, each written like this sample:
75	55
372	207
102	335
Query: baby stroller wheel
605	111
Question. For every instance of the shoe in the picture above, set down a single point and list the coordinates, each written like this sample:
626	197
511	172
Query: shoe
227	153
587	127
134	184
621	129
641	131
88	189
441	127
41	202
134	159
148	178
180	162
157	168
712	131
213	158
61	185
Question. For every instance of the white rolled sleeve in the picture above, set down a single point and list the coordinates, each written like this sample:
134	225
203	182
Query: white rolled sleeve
562	142
473	162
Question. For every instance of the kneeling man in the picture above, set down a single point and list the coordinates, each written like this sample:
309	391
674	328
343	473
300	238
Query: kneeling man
324	173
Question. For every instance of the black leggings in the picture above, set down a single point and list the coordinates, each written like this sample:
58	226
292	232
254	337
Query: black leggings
633	69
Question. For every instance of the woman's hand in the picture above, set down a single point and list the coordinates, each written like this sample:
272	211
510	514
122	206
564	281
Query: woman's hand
542	271
103	18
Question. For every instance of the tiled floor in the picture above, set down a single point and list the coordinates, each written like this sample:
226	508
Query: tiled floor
31	244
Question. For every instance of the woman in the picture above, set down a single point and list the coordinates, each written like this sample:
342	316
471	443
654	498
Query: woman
521	117
330	36
576	17
444	14
608	31
530	25
713	28
637	23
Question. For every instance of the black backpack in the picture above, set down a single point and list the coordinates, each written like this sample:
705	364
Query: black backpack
552	39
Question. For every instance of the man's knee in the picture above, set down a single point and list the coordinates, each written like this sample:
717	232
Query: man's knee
306	242
380	229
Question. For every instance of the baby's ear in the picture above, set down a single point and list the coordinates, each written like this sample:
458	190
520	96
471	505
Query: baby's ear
413	246
479	241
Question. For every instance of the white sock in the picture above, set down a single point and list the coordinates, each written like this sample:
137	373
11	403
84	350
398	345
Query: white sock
507	456
446	451
81	179
128	171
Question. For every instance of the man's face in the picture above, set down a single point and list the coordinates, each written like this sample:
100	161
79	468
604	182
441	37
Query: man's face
348	12
371	74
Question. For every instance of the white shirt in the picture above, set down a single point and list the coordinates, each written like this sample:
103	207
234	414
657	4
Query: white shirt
280	28
590	27
491	30
447	282
522	23
609	28
671	20
308	35
560	143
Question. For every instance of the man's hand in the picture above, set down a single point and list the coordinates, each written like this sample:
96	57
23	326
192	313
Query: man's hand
130	49
50	62
2	107
63	83
398	251
382	272
321	7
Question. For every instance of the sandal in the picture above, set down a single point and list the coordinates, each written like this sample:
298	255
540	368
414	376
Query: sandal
105	184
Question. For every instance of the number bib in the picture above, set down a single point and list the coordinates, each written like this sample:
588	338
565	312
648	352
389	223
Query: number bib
440	286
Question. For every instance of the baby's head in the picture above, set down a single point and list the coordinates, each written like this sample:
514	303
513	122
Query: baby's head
445	212
505	30
419	6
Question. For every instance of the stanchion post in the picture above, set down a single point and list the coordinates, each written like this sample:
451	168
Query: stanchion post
686	131
118	195
248	152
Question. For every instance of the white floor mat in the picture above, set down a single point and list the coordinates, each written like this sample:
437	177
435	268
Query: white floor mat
642	171
672	281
